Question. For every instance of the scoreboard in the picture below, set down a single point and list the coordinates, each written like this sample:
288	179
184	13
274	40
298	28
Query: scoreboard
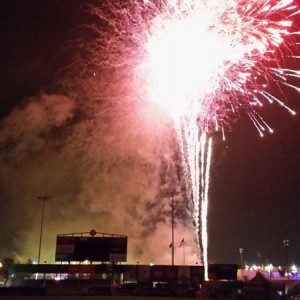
94	249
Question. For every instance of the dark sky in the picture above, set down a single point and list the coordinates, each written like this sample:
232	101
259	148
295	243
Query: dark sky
100	176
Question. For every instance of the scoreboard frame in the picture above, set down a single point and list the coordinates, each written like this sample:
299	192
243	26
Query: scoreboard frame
79	247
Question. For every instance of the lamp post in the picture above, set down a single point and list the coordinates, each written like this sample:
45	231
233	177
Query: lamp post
286	244
241	250
44	199
172	193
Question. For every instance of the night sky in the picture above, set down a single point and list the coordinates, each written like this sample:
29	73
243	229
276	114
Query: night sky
105	162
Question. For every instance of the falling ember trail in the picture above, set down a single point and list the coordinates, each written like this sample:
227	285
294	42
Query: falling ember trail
204	234
196	150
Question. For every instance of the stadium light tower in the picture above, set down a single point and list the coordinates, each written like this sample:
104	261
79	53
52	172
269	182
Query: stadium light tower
241	250
44	199
172	194
286	244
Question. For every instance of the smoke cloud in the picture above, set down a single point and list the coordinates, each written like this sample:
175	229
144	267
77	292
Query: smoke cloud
106	165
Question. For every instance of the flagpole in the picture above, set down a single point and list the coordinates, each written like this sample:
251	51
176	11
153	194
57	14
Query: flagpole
183	253
182	244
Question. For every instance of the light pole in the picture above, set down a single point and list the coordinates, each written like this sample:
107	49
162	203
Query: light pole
241	250
173	193
286	244
42	198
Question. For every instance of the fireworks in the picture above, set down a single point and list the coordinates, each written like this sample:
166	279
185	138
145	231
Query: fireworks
213	57
203	62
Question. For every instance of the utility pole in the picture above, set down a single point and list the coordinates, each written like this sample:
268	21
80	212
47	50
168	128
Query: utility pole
241	250
173	193
44	199
286	244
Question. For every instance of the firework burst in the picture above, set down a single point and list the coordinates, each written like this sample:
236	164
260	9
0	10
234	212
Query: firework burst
203	62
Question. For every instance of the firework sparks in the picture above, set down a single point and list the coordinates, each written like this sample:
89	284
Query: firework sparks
203	62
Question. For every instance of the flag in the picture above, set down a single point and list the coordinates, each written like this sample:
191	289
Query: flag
182	243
